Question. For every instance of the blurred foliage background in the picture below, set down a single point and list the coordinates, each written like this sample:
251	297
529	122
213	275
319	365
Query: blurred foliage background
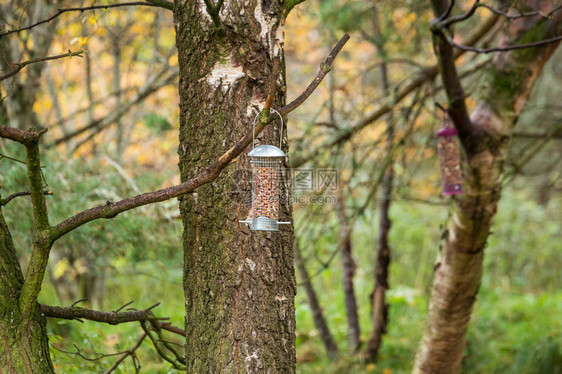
130	77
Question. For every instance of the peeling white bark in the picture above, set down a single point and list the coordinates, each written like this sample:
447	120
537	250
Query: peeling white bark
203	10
273	41
224	74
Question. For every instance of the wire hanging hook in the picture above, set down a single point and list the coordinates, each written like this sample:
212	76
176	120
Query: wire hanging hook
254	128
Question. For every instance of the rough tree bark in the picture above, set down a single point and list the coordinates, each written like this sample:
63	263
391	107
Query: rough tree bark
23	341
24	346
239	285
484	137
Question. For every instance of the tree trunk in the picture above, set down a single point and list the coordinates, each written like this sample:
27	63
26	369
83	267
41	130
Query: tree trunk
24	346
348	265
379	311
378	298
317	313
459	270
239	284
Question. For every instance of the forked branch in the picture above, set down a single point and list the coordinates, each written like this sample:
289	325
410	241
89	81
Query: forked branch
442	26
111	318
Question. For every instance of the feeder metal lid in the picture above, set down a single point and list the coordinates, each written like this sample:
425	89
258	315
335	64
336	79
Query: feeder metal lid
266	151
447	131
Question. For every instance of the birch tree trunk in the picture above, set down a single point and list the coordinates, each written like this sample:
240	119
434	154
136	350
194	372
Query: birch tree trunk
239	284
485	139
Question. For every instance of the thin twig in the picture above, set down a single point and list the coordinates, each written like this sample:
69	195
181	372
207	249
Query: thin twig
78	302
111	318
123	306
153	3
161	353
448	11
18	194
17	67
503	49
79	353
127	353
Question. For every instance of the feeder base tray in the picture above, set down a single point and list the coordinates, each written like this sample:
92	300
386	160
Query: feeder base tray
264	224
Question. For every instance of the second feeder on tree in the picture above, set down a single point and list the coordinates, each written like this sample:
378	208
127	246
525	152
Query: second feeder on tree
449	162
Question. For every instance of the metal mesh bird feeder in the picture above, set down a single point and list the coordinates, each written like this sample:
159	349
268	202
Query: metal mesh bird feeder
449	162
266	161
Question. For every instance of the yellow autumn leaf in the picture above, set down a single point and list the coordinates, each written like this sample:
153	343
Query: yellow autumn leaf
82	41
60	268
371	367
173	60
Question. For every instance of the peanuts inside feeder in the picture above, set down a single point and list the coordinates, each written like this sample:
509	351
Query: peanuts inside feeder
449	162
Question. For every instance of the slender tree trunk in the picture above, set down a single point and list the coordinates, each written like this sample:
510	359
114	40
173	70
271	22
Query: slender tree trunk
24	345
239	284
119	128
348	264
378	297
317	313
379	308
459	270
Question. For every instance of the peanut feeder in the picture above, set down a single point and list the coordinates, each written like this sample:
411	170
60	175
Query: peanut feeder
266	161
449	163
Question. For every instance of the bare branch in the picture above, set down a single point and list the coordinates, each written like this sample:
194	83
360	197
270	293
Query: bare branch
448	11
111	318
530	135
163	4
18	194
127	353
447	21
442	24
78	352
503	49
324	69
17	67
153	3
177	366
458	111
180	357
20	136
